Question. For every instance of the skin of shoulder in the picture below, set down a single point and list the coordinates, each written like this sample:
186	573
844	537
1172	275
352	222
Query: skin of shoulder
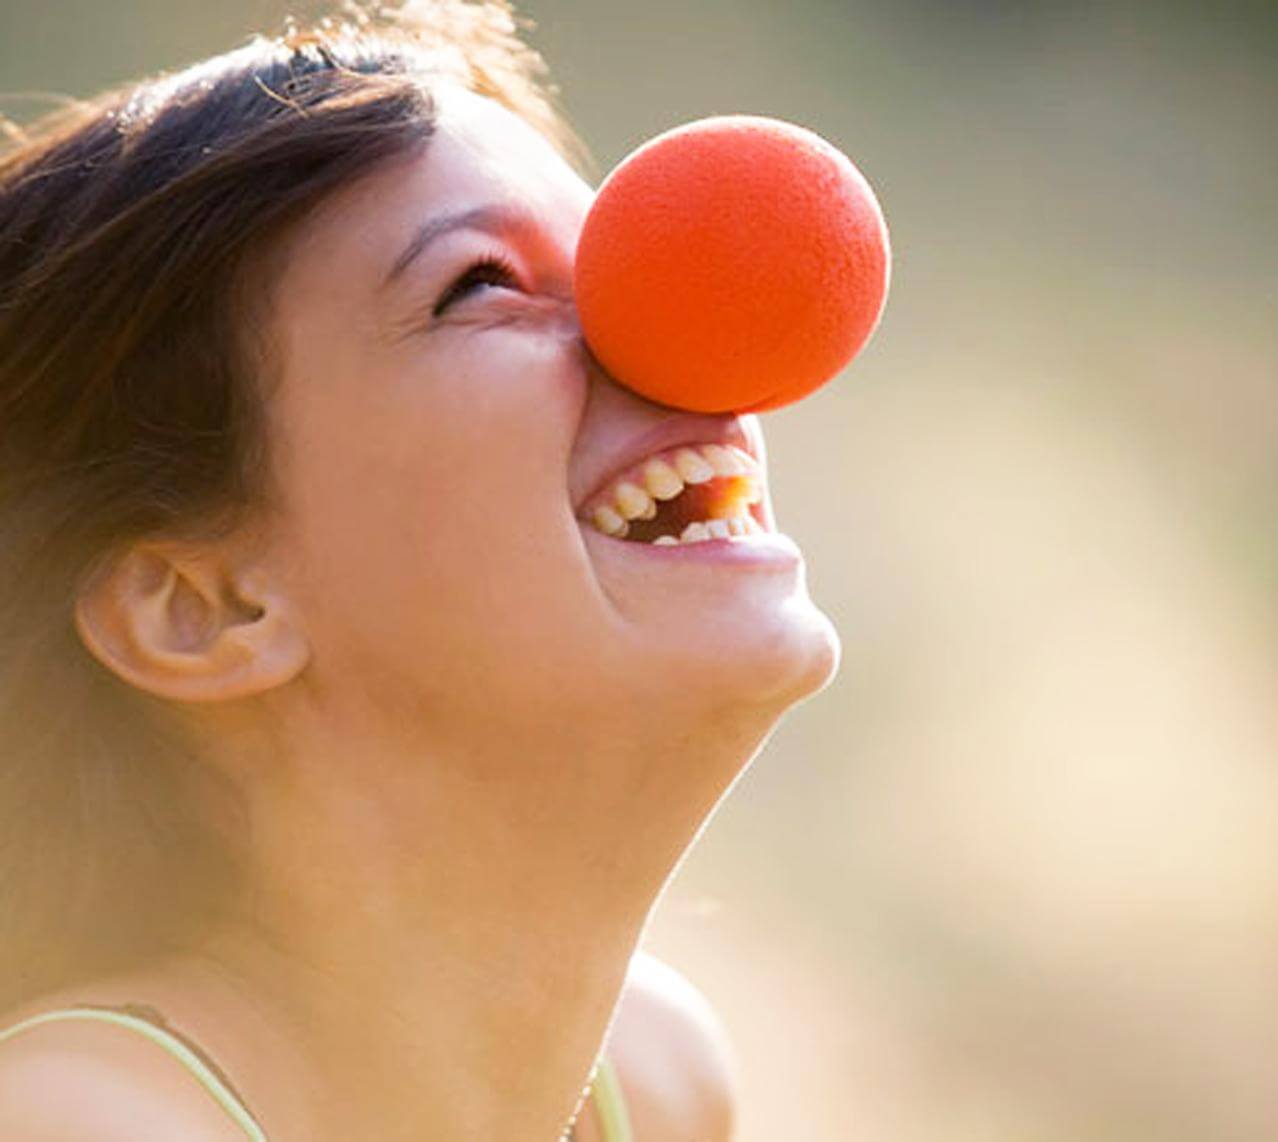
673	1058
72	1080
75	1079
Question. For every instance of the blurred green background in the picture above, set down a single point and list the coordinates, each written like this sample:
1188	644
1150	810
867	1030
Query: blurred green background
1013	877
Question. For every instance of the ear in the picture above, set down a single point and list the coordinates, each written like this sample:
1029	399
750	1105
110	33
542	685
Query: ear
186	625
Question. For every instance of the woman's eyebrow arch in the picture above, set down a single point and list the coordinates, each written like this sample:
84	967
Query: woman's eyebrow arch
494	217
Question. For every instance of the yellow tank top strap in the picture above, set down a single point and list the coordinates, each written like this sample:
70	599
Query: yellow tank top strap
610	1103
171	1043
605	1092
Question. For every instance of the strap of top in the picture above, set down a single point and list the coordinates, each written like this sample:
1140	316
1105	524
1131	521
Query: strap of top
171	1043
610	1103
606	1093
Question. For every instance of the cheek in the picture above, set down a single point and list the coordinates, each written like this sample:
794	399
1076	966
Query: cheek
422	495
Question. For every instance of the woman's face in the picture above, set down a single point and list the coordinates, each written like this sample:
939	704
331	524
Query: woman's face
438	442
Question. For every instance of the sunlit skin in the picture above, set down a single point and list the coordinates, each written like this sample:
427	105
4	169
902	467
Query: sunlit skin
475	735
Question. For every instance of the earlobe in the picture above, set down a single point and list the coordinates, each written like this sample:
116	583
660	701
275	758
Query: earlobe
188	627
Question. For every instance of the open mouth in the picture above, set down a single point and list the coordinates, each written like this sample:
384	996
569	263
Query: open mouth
688	494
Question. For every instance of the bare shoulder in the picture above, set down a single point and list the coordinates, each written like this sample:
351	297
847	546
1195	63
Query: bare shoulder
75	1079
673	1057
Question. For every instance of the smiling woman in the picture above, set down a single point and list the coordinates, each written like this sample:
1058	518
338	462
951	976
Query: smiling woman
334	730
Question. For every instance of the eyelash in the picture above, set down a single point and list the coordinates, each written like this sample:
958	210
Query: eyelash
493	269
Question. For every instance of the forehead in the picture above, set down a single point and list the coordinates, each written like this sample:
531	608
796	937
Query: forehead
480	140
479	153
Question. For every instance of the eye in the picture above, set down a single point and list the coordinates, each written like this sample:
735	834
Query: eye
492	270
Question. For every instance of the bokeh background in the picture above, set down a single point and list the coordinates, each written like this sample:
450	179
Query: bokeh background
1013	877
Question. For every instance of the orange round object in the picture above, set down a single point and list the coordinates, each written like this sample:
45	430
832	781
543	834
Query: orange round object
735	263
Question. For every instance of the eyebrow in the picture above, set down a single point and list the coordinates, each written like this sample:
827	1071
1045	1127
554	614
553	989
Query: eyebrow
494	217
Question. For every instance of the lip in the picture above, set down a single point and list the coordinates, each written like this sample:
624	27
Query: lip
674	432
766	549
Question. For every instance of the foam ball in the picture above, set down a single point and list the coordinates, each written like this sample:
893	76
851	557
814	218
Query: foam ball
735	263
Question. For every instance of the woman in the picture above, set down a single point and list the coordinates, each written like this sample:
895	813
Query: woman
338	733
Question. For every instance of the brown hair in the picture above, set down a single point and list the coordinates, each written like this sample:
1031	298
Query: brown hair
132	234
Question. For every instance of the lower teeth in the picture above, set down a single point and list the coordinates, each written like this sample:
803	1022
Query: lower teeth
699	532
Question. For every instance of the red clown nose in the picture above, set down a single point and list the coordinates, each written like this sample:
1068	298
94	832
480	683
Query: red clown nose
733	264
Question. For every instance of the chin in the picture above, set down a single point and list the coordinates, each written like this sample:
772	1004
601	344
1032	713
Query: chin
766	664
795	660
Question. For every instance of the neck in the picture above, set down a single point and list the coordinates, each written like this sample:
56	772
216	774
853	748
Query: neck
442	959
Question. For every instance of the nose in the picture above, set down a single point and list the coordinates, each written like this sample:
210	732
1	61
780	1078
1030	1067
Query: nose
608	400
616	413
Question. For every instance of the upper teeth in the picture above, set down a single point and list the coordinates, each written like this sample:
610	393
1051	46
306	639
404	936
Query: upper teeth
633	502
661	480
694	469
633	495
